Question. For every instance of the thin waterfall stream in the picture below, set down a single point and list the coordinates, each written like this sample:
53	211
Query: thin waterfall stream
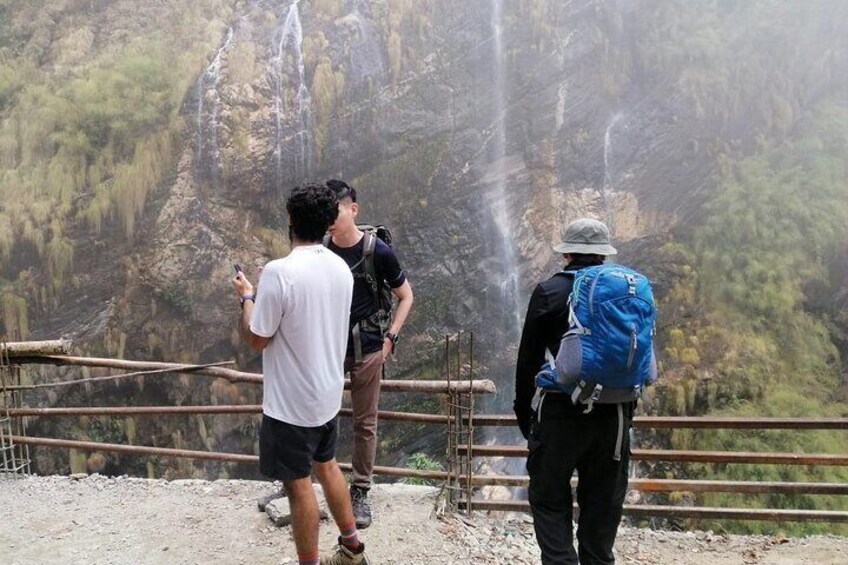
299	126
498	198
208	166
607	190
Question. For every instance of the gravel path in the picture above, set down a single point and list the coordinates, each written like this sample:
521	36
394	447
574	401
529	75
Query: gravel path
135	521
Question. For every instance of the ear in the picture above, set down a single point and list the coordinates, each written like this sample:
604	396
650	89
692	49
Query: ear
354	209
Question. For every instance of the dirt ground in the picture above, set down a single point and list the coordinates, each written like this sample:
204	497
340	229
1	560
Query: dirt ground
137	521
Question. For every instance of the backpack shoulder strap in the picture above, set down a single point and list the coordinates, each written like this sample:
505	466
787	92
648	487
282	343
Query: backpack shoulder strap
574	325
368	246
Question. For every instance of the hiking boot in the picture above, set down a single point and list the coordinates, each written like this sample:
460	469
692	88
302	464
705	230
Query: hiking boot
344	556
361	508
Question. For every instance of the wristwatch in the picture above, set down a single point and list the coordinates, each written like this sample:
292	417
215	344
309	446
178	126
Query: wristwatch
244	297
392	337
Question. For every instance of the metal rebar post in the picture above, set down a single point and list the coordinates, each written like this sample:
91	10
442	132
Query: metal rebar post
462	470
3	449
468	488
454	399
4	418
6	445
449	432
22	424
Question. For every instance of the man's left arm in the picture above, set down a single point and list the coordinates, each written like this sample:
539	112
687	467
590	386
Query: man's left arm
389	269
531	357
405	299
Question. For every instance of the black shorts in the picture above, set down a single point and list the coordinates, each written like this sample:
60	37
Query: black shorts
286	451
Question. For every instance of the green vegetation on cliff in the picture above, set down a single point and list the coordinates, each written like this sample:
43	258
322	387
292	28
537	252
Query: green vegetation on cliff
752	317
89	116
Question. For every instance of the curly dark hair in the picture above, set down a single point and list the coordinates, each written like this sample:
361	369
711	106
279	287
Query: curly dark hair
312	209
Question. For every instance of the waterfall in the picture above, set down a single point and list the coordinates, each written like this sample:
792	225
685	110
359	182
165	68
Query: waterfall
208	106
291	42
559	113
607	191
366	56
498	198
500	360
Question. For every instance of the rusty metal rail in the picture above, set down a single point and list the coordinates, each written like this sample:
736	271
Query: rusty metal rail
219	409
206	455
479	420
654	511
701	422
460	422
645	485
688	485
689	456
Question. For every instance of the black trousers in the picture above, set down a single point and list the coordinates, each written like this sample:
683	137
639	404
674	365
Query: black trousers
565	440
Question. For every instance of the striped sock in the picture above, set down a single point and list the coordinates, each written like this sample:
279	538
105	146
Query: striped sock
313	558
349	537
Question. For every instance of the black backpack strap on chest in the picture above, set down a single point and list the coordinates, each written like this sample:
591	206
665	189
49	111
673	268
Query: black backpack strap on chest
376	321
368	246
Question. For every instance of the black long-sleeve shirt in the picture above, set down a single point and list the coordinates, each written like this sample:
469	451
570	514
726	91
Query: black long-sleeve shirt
544	326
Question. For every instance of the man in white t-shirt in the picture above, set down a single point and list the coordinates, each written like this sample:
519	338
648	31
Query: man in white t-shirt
299	320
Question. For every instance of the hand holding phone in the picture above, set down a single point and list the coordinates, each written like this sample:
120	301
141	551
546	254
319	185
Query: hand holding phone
240	282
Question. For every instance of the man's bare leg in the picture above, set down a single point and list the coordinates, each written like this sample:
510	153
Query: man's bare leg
335	491
304	512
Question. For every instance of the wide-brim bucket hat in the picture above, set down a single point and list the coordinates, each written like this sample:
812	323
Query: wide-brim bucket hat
586	236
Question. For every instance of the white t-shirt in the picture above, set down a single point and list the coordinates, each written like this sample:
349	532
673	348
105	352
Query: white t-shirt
303	305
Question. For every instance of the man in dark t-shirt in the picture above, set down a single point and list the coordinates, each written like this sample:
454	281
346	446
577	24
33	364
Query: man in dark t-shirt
369	344
388	270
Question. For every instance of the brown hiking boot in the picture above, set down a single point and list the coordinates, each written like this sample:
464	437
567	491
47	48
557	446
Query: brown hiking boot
344	556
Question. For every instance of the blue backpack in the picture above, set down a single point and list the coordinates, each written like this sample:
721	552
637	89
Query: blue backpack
607	354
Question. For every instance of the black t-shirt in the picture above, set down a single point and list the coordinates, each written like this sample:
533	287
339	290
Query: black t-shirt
388	271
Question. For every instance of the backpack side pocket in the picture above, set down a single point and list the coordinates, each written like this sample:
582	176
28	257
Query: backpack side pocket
569	360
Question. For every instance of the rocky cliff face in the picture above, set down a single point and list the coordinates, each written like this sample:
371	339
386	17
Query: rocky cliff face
397	98
474	129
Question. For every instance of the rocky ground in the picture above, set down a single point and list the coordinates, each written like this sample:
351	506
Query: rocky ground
124	520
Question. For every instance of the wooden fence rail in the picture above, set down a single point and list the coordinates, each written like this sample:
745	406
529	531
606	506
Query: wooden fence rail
464	386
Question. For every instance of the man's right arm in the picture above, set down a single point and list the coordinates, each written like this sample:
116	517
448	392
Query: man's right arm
255	342
531	357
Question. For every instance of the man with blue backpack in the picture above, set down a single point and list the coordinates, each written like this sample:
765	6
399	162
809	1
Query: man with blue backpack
586	353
